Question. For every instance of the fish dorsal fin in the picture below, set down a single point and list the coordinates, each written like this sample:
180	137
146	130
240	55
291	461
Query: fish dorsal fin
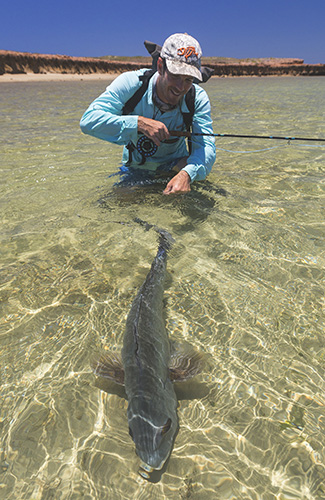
185	362
109	365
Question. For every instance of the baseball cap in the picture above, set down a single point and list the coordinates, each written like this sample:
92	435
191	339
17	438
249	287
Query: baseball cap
182	54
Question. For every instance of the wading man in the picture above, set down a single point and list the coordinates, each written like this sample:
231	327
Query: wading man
140	108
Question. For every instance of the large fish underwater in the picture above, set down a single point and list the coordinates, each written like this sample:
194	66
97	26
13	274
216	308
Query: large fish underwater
149	365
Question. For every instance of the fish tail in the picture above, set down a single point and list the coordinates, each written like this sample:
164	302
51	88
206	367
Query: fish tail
166	240
144	224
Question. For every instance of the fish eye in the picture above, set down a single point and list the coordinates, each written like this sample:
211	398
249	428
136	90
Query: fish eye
166	427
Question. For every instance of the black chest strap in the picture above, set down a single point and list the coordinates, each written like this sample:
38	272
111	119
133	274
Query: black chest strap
139	93
137	96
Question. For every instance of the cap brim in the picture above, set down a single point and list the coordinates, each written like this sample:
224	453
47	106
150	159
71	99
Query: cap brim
180	68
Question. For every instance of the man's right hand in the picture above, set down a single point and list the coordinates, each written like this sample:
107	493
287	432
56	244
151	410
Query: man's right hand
155	130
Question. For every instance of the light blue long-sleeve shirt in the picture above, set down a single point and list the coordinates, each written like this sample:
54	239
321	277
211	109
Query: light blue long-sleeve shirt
104	120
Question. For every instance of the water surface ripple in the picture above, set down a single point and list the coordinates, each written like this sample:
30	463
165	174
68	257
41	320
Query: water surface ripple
245	286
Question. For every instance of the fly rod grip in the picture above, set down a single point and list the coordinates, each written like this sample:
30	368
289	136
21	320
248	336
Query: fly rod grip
178	133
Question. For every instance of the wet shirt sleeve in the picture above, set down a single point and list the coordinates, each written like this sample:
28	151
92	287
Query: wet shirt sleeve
104	120
203	153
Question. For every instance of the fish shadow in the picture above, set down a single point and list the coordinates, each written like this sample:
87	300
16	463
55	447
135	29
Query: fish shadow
196	205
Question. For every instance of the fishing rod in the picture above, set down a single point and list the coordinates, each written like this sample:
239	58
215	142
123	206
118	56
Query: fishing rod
176	133
147	147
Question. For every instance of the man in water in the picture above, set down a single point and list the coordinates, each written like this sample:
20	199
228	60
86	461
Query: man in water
171	102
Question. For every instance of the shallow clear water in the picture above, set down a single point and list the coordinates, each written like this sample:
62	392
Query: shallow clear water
245	286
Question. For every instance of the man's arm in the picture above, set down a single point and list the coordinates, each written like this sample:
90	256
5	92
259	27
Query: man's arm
104	119
180	183
199	163
154	129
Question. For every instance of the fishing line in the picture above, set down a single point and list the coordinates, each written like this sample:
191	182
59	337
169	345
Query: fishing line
308	146
135	220
252	151
274	147
124	223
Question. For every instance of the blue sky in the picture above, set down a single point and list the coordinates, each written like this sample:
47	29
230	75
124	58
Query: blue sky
227	28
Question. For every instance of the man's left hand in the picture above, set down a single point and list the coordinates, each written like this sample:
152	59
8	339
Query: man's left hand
180	183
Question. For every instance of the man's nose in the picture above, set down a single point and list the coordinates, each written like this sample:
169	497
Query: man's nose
180	84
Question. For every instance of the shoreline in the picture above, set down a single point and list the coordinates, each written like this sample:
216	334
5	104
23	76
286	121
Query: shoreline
23	66
54	77
105	77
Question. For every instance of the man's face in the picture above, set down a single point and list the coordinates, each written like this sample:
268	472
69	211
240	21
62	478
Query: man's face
171	88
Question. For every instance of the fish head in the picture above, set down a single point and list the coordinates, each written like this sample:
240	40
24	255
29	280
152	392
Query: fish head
153	436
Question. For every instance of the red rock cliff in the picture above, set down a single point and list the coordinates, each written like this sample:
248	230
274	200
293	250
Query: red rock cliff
23	62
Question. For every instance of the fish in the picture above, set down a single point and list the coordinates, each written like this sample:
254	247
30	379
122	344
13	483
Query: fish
149	365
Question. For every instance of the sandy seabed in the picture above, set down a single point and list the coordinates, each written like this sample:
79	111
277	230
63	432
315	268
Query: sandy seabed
54	77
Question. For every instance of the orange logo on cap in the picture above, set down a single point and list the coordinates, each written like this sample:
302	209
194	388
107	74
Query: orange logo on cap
187	52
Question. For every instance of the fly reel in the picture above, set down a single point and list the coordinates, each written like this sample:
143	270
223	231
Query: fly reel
146	147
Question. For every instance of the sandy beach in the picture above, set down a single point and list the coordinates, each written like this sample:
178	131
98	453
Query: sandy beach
26	67
55	77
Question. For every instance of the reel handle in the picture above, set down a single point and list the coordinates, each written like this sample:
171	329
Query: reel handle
178	133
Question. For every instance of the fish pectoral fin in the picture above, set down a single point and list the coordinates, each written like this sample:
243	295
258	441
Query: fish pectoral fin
185	362
109	365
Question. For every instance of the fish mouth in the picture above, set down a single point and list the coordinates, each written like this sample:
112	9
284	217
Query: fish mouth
145	470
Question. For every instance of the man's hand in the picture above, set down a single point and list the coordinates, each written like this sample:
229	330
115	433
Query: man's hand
155	130
180	183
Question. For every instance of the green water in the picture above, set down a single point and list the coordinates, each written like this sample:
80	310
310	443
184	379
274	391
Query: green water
245	286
